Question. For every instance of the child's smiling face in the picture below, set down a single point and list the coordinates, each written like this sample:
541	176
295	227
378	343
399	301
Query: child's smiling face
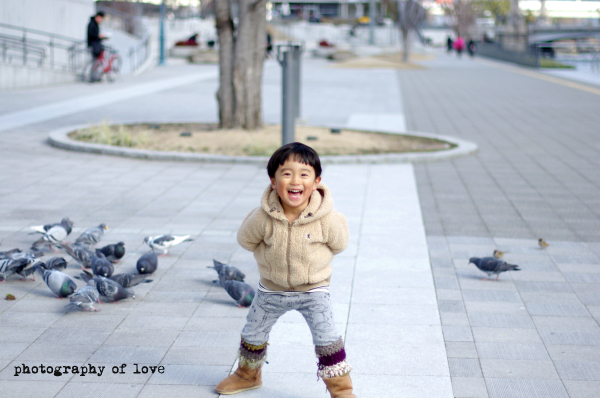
294	183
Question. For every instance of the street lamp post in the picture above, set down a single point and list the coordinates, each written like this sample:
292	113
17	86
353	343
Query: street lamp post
371	22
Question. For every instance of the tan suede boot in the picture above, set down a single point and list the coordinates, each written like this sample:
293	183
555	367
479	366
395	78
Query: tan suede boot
242	379
340	387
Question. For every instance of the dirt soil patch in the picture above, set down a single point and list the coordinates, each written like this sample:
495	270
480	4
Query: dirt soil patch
208	138
392	61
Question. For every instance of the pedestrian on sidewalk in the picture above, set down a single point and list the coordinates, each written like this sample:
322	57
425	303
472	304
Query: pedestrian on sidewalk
94	37
459	46
294	235
449	44
471	48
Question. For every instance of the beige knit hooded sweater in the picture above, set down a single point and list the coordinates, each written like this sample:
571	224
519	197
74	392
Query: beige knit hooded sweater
297	255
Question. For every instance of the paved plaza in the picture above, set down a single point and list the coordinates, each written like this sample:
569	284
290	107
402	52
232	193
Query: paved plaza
416	318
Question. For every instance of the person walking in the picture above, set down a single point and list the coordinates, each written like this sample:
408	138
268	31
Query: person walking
471	47
449	44
459	46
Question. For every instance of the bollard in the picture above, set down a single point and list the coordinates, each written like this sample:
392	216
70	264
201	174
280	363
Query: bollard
288	56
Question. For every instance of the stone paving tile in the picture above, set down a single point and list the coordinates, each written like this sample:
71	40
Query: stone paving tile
40	389
96	389
512	351
570	370
501	320
471	387
463	367
521	369
571	337
461	349
525	388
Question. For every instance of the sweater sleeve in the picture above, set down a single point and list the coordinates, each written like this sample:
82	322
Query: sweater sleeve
337	233
252	230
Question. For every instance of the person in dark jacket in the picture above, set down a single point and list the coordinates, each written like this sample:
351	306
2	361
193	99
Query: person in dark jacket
94	37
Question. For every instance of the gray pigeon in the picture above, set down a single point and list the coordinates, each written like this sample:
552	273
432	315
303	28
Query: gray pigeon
241	292
227	272
165	242
56	263
82	254
129	280
110	291
18	266
52	233
85	297
9	254
101	266
60	283
91	236
113	253
492	266
147	264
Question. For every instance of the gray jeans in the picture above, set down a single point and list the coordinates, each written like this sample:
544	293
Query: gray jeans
267	308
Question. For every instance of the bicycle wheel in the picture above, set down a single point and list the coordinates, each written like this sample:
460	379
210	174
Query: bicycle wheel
96	71
115	69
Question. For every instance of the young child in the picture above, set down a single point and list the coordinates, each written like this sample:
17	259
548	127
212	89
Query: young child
294	235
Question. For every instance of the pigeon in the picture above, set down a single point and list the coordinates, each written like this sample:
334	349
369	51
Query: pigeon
101	266
165	242
53	233
110	291
543	244
491	266
56	263
82	254
9	253
129	280
20	266
43	229
227	272
85	297
113	253
60	283
91	236
499	254
147	264
241	292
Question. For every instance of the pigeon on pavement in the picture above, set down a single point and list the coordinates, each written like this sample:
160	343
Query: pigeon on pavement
543	244
165	242
241	292
9	267
56	263
130	280
147	264
91	236
499	253
101	266
110	291
113	253
85	297
80	252
60	283
53	233
493	266
9	254
227	272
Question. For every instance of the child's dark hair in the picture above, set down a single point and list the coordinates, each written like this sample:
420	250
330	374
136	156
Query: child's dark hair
297	151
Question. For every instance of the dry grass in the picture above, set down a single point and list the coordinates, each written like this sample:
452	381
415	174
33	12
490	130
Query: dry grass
207	138
392	61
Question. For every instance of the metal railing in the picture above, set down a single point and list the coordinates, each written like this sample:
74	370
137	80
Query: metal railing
139	53
529	57
41	49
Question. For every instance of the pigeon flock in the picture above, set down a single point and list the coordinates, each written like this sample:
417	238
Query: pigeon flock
98	266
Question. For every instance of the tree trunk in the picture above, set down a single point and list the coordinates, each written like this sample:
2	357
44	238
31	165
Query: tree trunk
248	64
225	96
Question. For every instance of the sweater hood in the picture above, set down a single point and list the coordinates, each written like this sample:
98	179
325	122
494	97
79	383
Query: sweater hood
321	204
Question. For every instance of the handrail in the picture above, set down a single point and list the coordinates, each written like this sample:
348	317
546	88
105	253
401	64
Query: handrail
39	32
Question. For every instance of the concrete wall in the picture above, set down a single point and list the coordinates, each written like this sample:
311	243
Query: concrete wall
63	17
19	76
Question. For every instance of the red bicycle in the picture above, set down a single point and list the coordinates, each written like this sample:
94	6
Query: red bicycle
108	63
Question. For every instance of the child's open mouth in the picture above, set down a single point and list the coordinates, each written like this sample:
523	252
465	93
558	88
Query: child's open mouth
295	193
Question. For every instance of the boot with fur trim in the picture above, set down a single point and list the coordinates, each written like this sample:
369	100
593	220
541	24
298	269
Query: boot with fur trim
242	379
340	387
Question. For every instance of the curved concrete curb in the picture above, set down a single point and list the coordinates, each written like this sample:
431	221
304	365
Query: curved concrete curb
59	139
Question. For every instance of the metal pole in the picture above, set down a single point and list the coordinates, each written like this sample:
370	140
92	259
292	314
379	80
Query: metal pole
161	60
297	53
371	22
287	98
